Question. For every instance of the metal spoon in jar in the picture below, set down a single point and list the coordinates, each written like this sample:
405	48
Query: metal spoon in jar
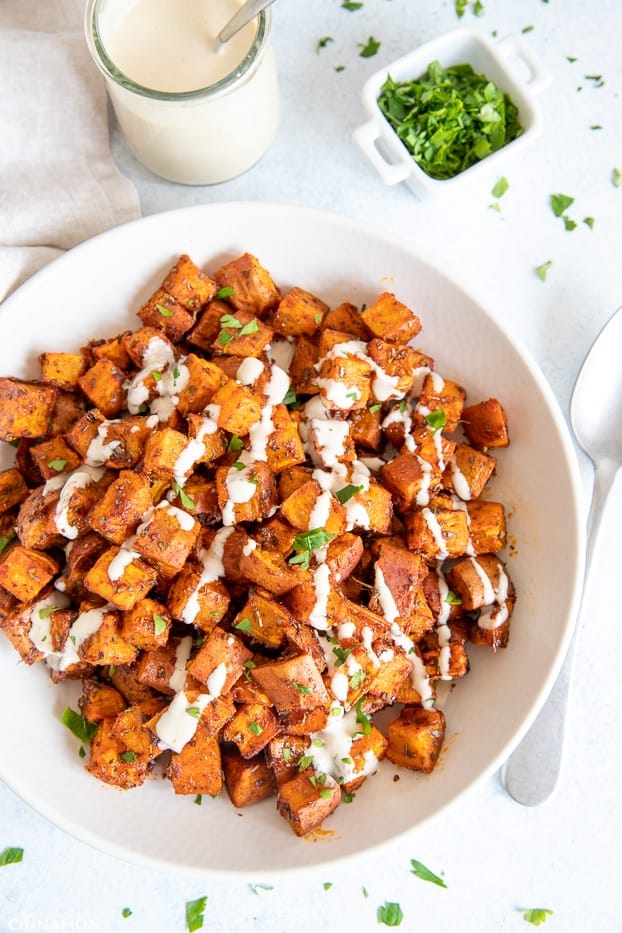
531	773
247	12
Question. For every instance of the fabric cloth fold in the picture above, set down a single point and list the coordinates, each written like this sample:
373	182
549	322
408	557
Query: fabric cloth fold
59	184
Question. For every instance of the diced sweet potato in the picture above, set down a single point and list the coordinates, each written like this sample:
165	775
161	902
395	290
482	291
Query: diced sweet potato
299	314
416	738
344	383
391	320
166	538
253	288
223	651
100	701
122	583
487	527
437	533
120	511
242	335
301	508
106	645
53	457
104	386
263	619
13	489
146	625
164	313
111	761
204	378
283	753
346	317
269	570
294	683
438	394
245	495
188	285
25	572
468	472
302	369
239	408
197	769
252	727
25	409
247	781
193	600
373	743
305	802
62	369
485	424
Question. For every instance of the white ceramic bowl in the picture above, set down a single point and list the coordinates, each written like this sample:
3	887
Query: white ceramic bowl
501	61
94	291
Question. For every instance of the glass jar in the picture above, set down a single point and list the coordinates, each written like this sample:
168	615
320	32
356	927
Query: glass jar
195	137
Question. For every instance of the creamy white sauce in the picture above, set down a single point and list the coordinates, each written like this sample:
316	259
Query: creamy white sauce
385	596
77	479
329	439
436	531
194	450
281	352
339	393
83	627
100	450
212	570
217	679
423	496
346	630
321	585
240	488
249	547
173	375
176	726
331	749
122	559
320	512
177	680
249	371
489	591
383	386
459	480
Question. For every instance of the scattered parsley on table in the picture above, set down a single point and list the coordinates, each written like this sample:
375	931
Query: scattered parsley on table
390	914
11	856
536	915
194	914
419	870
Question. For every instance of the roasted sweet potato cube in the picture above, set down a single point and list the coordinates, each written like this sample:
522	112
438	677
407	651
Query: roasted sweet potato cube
304	640
188	285
284	447
372	509
245	495
13	489
269	570
263	619
138	343
299	314
308	501
302	369
468	471
119	444
437	533
197	769
7	603
164	313
242	335
292	479
491	636
54	456
207	326
344	382
100	701
329	339
275	535
204	498
106	645
25	409
193	599
120	511
124	678
84	431
146	625
130	727
36	520
407	481
478	581
252	727
400	362
388	318
16	623
68	407
239	408
166	538
400	572
247	780
441	394
120	577
162	451
303	721
416	738
62	369
253	288
347	318
343	554
111	761
104	386
305	802
445	655
217	714
112	349
393	668
283	753
164	668
487	526
293	683
204	378
485	424
25	572
219	661
79	494
365	428
374	743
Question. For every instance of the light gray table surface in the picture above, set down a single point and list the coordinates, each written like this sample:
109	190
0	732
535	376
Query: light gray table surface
496	856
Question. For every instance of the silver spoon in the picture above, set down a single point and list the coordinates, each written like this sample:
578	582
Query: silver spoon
247	12
531	773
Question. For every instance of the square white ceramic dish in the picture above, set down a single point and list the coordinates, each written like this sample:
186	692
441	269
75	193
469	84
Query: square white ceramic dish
501	61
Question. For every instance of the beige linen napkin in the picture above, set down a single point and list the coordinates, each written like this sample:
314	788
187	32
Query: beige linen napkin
58	182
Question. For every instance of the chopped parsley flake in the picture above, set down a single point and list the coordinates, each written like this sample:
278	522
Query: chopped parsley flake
255	728
436	419
251	327
327	885
81	727
128	756
589	221
198	799
325	793
420	871
536	915
569	224
126	912
47	611
341	655
452	598
322	43
194	711
165	312
159	624
361	717
356	680
348	492
11	856
369	48
306	542
57	465
541	271
560	203
4	540
235	443
390	913
225	291
374	408
501	187
301	688
244	625
194	914
616	177
186	501
348	5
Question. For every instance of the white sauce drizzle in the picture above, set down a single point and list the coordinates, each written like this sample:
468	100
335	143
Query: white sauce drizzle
77	479
212	570
177	680
459	480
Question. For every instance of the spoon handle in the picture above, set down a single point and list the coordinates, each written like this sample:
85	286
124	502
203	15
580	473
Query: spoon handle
245	14
531	773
